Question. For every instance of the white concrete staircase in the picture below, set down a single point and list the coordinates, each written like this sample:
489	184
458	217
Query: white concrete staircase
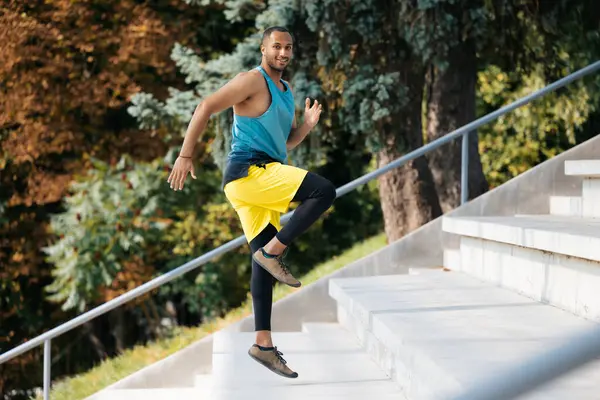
516	286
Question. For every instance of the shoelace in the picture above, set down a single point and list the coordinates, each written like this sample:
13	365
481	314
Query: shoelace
283	266
279	355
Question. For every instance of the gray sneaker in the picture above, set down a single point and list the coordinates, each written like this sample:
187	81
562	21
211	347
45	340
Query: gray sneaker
272	360
276	267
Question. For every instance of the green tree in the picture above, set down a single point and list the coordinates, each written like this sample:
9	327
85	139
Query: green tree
104	232
558	38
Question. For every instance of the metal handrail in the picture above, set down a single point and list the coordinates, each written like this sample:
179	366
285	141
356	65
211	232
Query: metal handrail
233	244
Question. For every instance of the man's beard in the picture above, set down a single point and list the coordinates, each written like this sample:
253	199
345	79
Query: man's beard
273	65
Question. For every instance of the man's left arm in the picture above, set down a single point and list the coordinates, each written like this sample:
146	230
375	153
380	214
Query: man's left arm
311	118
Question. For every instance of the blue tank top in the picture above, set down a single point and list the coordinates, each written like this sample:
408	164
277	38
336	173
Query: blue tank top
254	137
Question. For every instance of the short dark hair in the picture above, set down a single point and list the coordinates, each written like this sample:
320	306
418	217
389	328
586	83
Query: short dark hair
272	29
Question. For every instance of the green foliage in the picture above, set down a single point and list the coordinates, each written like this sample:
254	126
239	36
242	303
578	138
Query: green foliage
563	38
531	134
218	285
172	115
369	98
108	220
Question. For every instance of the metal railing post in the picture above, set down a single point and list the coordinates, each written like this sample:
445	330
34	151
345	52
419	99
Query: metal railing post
464	170
47	361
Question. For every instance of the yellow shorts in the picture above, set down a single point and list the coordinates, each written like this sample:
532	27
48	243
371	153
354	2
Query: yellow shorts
261	197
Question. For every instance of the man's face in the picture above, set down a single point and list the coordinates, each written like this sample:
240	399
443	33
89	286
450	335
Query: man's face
277	50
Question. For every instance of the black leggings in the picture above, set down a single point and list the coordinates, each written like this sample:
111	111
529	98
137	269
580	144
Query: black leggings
316	195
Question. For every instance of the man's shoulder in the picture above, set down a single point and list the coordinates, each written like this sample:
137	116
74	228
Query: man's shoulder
251	76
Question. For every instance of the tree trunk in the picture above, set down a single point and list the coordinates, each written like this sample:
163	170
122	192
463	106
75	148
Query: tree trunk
117	330
407	194
452	105
96	342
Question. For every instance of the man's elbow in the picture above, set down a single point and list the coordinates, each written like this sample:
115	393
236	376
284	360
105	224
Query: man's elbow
203	109
290	145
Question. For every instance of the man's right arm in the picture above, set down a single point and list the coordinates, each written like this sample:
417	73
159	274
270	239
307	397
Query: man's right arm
233	92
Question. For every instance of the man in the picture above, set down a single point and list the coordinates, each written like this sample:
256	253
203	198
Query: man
257	181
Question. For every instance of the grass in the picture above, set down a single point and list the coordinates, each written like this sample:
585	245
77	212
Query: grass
132	360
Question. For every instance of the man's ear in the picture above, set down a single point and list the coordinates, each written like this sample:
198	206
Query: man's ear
262	49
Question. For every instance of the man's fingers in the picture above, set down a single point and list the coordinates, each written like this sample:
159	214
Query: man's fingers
178	176
178	182
182	181
175	179
171	175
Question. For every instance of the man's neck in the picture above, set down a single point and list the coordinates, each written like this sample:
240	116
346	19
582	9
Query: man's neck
274	74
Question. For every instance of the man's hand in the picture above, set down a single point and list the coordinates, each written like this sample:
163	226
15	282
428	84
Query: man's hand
312	114
179	173
311	118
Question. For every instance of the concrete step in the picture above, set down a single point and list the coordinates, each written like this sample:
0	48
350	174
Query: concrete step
327	328
452	259
590	188
583	168
154	394
571	236
547	258
352	390
330	365
440	331
566	206
202	390
203	381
